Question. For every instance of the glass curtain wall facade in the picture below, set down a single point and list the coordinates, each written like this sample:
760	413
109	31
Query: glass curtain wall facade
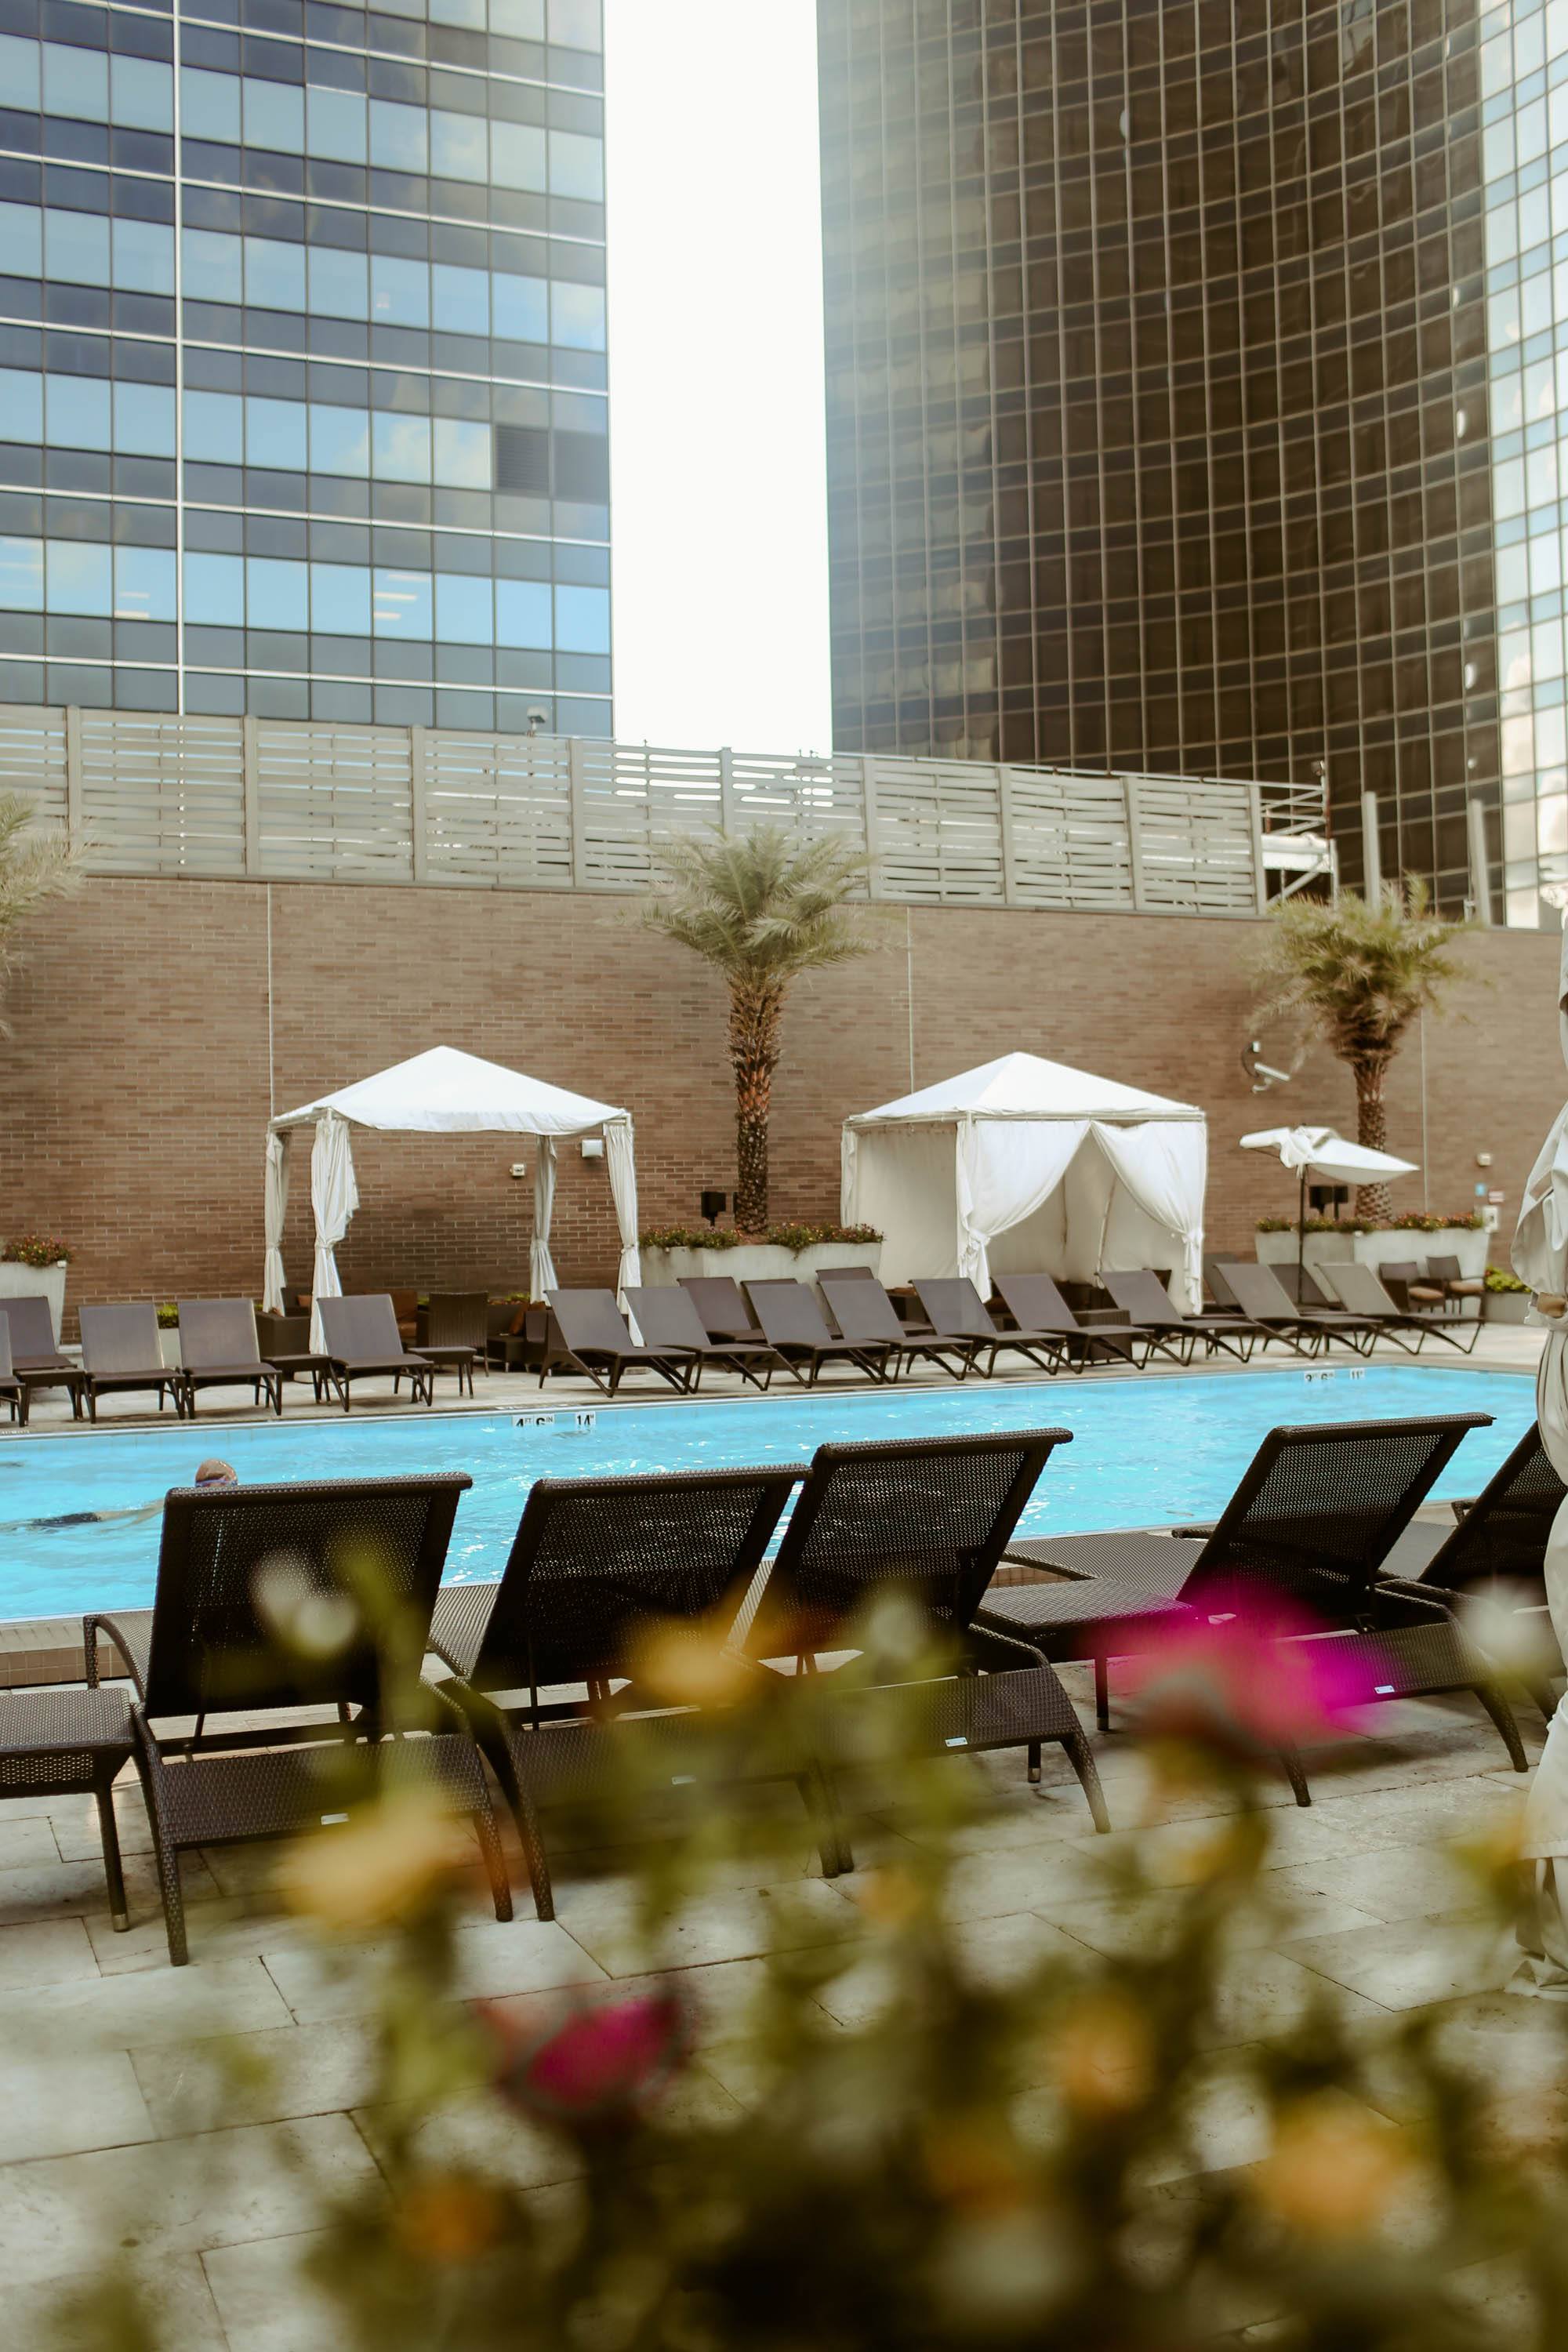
1157	396
302	372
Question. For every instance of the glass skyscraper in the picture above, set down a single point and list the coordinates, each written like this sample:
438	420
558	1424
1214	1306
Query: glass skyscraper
302	371
1158	429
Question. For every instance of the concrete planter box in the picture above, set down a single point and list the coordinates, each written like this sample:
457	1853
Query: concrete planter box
758	1263
1505	1306
36	1282
1382	1249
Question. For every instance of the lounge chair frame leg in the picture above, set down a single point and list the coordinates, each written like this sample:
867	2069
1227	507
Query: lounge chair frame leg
1501	1714
154	1788
1080	1756
1102	1692
1291	1761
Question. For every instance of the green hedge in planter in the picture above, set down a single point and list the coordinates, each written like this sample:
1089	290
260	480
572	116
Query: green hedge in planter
716	1237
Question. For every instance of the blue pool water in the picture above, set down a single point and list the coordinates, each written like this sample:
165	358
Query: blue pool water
1144	1451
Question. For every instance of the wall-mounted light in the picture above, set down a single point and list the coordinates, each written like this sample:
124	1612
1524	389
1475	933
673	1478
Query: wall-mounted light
519	1169
592	1147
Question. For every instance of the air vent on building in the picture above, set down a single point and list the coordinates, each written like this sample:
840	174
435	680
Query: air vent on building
523	460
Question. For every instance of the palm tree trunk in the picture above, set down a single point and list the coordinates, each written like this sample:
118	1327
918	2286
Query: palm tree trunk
755	1013
1371	1129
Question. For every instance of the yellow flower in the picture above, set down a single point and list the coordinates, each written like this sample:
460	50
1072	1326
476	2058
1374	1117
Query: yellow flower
690	1665
1335	2168
971	2164
889	1897
448	2218
379	1866
1102	2056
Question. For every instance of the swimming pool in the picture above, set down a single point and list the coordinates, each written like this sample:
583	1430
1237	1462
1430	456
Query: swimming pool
1143	1451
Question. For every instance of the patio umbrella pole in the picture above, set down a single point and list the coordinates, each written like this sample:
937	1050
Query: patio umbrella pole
1302	1234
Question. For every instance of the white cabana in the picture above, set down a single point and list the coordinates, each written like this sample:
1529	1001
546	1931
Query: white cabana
1026	1166
442	1092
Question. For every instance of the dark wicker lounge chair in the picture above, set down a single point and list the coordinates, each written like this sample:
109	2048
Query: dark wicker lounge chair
219	1349
13	1390
70	1743
1140	1294
597	1565
669	1320
955	1309
35	1360
1037	1307
722	1311
1358	1288
120	1352
361	1341
866	1316
588	1334
1257	1294
794	1326
456	1333
1312	1524
927	1517
209	1647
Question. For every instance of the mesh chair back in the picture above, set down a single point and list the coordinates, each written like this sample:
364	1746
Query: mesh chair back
1142	1296
365	1328
459	1319
1358	1288
7	1368
217	1331
863	1309
926	1516
954	1309
1036	1304
120	1338
32	1327
237	1562
1317	1511
717	1298
667	1318
1504	1533
1403	1269
1216	1269
590	1318
598	1562
1258	1293
789	1314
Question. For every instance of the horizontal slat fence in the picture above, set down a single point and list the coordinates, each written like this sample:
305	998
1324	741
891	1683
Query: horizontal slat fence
264	800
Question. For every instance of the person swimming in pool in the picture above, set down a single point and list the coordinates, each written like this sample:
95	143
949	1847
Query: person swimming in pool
210	1472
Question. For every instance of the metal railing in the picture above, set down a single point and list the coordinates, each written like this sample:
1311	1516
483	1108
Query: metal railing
282	800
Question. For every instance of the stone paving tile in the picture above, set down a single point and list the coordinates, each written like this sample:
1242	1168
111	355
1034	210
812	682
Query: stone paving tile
1262	1992
733	1925
45	1952
1131	1923
60	1890
30	1838
265	2302
174	2292
158	2006
1392	1882
74	1821
520	1956
256	2078
216	1929
1406	1963
59	2106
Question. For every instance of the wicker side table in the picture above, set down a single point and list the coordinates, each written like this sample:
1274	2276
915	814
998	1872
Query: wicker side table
68	1743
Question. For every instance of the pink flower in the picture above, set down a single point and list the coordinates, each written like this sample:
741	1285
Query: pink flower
601	2063
1245	1685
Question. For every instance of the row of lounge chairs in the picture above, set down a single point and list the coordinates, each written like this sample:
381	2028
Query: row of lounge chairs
543	1668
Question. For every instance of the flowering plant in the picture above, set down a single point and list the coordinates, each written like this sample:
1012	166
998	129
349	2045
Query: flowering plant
36	1249
795	1237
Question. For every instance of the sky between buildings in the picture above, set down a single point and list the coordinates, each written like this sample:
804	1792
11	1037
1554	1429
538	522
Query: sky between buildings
716	374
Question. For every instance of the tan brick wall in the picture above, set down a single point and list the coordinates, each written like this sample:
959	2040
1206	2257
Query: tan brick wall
138	1081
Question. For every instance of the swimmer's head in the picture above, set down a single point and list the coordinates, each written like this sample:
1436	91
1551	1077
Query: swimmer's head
213	1472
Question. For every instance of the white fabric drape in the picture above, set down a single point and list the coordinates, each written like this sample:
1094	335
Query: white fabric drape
541	1265
622	1166
1005	1168
334	1197
1164	1167
275	1208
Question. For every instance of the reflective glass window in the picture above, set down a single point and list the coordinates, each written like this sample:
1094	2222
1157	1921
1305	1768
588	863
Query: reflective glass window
339	439
583	620
464	612
522	613
462	453
209	105
458	147
22	575
210	264
214	427
142	94
144	256
517	155
274	115
76	246
145	419
76	81
22	239
215	589
79	412
79	577
519	20
277	593
397	136
577	316
19	77
521	308
143	583
399	290
576	24
400	448
339	283
402	603
274	274
460	300
337	124
21	405
576	166
275	434
340	599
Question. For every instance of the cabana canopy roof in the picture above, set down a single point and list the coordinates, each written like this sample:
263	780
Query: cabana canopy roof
1022	1086
447	1092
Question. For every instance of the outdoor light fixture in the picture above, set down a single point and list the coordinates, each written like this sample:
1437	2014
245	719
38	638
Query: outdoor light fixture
519	1168
714	1205
537	721
592	1147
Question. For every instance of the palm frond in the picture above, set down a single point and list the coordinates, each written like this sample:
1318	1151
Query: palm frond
1357	972
763	905
33	868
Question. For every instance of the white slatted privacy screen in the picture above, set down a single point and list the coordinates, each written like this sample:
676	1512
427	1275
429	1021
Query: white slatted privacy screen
284	800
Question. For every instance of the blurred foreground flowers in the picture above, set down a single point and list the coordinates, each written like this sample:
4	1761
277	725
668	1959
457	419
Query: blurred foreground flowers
915	2134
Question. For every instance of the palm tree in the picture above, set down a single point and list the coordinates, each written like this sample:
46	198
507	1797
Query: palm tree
761	907
30	873
1354	974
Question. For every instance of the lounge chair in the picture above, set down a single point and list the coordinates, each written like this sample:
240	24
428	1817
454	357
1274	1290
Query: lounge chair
866	1316
36	1358
1037	1308
597	1565
120	1351
589	1335
232	1557
361	1341
724	1312
13	1390
456	1333
1454	1282
1257	1294
1312	1524
219	1349
955	1309
792	1326
927	1517
70	1743
1140	1294
1358	1288
668	1321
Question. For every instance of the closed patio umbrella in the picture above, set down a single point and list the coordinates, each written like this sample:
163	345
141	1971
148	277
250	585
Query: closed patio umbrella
1319	1152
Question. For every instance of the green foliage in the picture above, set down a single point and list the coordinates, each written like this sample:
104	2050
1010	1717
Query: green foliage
1419	1222
1498	1278
35	1249
32	871
725	1237
1356	973
761	906
168	1314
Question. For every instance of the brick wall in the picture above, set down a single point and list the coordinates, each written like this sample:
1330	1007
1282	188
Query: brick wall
148	1046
